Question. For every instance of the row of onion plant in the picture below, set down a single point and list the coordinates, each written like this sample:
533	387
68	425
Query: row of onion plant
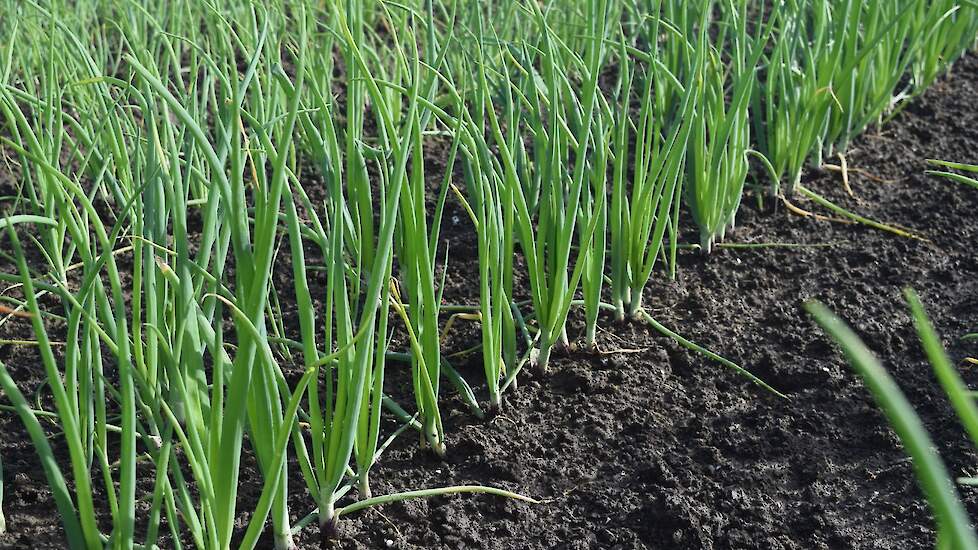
174	392
836	67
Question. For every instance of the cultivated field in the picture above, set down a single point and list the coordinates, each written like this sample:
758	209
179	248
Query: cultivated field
506	274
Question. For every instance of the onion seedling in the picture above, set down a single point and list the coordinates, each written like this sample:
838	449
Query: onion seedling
796	98
645	206
208	420
880	44
833	70
78	517
717	163
416	268
81	393
594	207
492	207
345	419
944	29
547	193
954	176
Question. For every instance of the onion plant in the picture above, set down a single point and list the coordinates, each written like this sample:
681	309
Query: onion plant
835	68
547	192
954	528
80	394
416	262
255	396
594	207
791	111
880	44
78	516
345	419
490	206
159	381
943	169
717	159
945	29
493	209
647	181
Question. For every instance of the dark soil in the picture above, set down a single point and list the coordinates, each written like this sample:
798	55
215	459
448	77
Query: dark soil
646	445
